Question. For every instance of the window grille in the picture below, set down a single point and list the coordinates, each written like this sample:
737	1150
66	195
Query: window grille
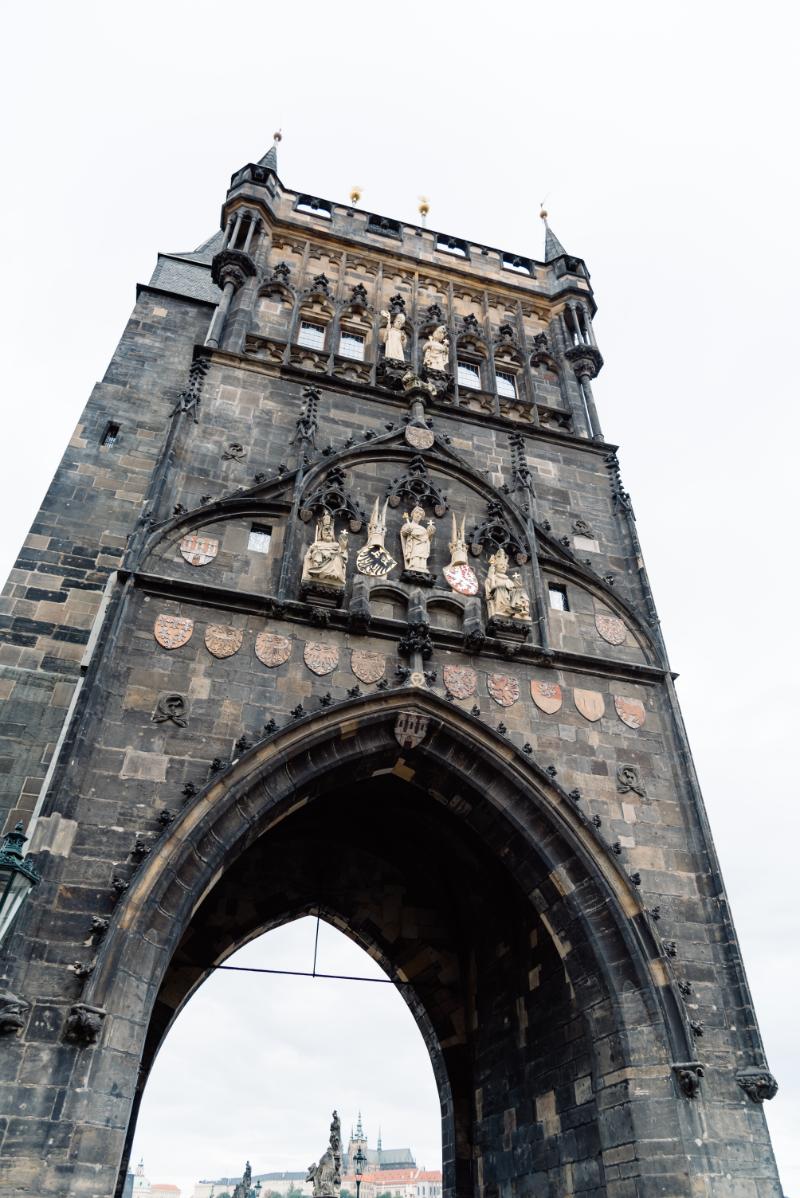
259	539
351	345
469	376
311	335
558	597
506	384
110	434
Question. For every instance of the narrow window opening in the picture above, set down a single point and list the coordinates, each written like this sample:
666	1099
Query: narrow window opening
311	335
506	384
110	434
469	376
259	539
351	345
558	596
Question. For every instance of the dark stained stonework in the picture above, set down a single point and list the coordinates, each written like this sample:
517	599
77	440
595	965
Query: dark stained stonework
542	886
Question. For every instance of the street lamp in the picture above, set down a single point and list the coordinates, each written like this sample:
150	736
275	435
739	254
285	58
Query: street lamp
359	1160
17	877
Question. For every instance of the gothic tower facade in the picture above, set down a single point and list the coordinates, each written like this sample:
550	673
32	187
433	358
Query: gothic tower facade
338	544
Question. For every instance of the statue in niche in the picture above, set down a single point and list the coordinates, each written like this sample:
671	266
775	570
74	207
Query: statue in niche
416	539
436	351
459	574
520	602
499	587
325	563
394	336
374	559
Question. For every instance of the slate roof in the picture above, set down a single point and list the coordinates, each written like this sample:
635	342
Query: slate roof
189	273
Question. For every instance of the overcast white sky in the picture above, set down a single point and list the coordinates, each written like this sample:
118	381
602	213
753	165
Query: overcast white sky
664	138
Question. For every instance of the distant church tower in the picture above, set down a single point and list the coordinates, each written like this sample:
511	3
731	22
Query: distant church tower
339	544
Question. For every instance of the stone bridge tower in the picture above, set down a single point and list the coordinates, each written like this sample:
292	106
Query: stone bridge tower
339	542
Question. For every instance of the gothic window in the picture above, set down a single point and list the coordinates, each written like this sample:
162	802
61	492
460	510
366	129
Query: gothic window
110	434
351	345
259	539
558	596
311	335
469	375
506	384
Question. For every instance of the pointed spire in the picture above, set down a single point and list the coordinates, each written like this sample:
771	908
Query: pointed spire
380	1143
359	1128
552	246
270	159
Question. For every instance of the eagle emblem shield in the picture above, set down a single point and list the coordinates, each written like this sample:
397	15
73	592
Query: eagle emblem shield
320	658
172	632
546	695
222	640
271	649
367	666
375	561
199	551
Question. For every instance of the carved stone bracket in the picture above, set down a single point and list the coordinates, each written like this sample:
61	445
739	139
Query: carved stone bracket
333	496
12	1013
620	497
307	422
521	477
586	360
758	1084
688	1074
232	266
189	398
415	487
390	374
494	533
416	639
84	1024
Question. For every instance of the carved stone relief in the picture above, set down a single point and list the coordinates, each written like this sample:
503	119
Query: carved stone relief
272	649
172	632
223	641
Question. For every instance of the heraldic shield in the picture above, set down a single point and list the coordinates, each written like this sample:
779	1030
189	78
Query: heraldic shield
172	632
410	729
272	649
320	658
589	703
199	551
375	561
630	711
222	640
547	696
611	628
503	688
367	666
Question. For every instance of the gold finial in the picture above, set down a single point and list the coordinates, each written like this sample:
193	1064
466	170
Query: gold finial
424	208
355	193
277	136
543	213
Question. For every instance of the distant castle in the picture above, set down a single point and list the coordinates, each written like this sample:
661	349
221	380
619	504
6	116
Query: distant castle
376	1158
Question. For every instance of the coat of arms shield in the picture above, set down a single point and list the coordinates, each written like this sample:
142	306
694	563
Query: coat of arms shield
590	704
410	729
503	688
630	711
461	681
611	628
547	696
367	666
199	551
172	632
462	578
222	640
375	561
320	658
272	649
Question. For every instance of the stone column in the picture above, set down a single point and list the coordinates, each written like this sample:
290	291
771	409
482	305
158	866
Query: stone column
229	270
586	362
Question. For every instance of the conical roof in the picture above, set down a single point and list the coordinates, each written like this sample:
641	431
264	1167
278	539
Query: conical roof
552	246
270	159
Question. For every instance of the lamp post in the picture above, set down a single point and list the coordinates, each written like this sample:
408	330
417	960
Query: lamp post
17	877
359	1160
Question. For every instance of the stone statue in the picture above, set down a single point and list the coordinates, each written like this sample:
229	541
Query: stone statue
326	1177
244	1187
499	588
374	559
325	563
394	336
459	574
436	351
12	1013
520	603
416	539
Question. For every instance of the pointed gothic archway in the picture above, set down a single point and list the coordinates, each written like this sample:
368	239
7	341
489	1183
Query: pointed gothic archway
461	866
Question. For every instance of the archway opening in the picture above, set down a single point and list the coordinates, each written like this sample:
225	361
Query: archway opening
255	1062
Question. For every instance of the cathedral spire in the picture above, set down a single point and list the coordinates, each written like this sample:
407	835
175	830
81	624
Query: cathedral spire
359	1128
270	159
552	246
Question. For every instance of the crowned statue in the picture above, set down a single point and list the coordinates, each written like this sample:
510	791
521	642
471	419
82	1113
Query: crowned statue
394	336
325	562
416	539
436	351
520	602
499	587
